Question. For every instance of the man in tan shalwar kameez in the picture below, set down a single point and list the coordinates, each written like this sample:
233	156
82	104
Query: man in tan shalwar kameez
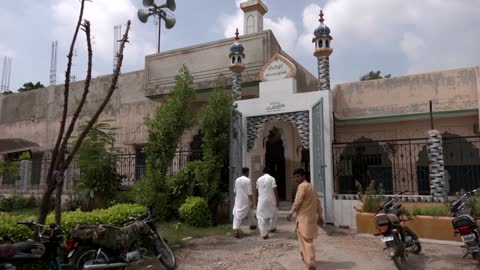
309	215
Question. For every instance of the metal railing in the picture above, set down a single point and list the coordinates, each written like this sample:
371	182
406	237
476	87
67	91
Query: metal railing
403	164
130	167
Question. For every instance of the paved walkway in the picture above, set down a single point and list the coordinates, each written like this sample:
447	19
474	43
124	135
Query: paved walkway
335	249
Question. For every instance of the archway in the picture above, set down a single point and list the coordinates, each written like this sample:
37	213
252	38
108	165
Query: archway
275	160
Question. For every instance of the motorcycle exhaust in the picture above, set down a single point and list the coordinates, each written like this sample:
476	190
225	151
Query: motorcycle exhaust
104	266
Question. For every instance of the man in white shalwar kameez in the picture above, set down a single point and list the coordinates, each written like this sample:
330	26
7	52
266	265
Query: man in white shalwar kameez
243	207
267	204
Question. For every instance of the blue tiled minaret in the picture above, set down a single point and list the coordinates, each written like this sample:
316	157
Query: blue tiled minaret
323	50
237	58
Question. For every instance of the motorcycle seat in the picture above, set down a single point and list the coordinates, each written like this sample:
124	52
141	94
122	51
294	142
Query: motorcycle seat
28	245
394	219
7	251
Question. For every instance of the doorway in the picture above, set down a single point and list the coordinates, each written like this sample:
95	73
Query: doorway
275	160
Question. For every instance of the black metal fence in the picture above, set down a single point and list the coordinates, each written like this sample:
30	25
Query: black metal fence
403	164
130	166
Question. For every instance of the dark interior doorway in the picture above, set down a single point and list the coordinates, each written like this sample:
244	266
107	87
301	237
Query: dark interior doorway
275	160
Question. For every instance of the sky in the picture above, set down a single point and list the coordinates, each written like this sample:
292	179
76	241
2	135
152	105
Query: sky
398	37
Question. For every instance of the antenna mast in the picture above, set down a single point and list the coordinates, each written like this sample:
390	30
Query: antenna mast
6	72
117	35
53	63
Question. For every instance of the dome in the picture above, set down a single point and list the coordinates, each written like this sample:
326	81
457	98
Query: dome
237	48
322	30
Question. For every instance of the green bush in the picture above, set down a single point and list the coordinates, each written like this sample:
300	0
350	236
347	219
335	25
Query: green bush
10	231
8	204
98	182
372	199
181	186
195	212
434	210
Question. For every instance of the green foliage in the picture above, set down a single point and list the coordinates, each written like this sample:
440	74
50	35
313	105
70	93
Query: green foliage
165	130
214	121
7	92
171	119
98	181
195	212
181	186
30	86
10	167
371	198
8	204
440	210
10	231
372	75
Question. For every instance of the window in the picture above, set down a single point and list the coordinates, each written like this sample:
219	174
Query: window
320	43
327	43
239	59
233	59
250	24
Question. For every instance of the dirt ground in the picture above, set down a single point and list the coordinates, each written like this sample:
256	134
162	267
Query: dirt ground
335	249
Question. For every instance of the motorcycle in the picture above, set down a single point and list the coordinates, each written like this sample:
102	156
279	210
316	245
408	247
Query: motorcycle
398	238
464	223
87	252
17	255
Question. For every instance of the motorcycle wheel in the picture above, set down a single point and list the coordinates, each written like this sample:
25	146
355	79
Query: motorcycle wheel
164	253
400	259
417	247
86	254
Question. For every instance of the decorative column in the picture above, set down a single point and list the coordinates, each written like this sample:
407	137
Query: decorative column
323	50
436	164
237	58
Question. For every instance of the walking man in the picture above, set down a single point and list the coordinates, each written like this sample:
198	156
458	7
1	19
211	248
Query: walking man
267	204
243	207
309	215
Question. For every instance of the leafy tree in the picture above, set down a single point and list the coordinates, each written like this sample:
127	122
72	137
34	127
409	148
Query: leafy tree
165	130
372	75
98	181
7	92
30	86
214	121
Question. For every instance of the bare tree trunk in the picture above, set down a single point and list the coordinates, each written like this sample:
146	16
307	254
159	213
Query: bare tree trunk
59	163
58	198
51	181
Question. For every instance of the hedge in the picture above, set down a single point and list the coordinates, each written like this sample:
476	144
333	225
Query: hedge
10	231
195	212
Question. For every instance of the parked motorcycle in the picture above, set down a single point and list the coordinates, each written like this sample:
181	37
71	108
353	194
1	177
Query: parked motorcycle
464	223
111	247
398	238
17	255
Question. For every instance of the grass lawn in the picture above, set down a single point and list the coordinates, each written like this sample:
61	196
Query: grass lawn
174	232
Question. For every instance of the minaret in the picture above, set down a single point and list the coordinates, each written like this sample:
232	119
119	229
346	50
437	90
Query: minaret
237	58
253	18
323	50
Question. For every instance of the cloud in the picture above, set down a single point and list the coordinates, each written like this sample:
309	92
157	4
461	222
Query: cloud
431	35
230	22
284	28
103	15
285	31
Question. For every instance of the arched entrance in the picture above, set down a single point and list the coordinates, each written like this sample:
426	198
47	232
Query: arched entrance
278	145
275	160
